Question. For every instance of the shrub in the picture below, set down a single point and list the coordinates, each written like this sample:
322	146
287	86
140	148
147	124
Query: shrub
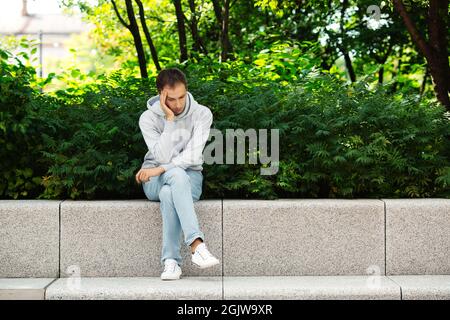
336	139
20	124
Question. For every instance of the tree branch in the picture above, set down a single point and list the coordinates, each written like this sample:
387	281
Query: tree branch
128	26
415	34
147	35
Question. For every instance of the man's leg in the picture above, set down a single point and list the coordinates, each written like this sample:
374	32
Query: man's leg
171	226
156	190
186	187
196	178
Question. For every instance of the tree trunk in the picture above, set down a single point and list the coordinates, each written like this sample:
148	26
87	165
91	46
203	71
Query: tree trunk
224	39
181	30
397	70
325	57
438	23
198	43
382	60
435	51
347	59
380	75
218	11
153	52
424	82
349	65
134	30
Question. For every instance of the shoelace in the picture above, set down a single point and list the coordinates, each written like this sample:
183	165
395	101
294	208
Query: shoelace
170	265
204	253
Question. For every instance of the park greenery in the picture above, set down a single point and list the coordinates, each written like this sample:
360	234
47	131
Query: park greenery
360	101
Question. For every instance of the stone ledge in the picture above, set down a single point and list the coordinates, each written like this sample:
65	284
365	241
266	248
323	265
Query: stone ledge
417	287
417	236
29	238
311	288
137	288
424	287
285	237
296	237
124	238
24	288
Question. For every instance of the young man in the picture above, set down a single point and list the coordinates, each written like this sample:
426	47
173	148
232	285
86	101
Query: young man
175	128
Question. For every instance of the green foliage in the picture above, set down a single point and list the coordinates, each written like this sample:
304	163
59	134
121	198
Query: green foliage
336	139
96	147
354	142
19	123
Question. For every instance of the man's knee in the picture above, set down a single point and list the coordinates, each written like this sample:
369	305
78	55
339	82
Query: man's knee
165	194
177	175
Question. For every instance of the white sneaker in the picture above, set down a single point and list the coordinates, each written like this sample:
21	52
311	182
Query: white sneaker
172	270
202	258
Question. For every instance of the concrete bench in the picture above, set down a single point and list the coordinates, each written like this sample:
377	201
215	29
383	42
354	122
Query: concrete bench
226	288
286	237
280	249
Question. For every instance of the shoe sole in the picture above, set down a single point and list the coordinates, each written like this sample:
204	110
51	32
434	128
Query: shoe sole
165	279
206	266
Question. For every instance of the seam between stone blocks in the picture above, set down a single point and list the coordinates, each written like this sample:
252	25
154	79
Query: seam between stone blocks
385	252
385	236
400	287
48	285
59	241
223	261
59	252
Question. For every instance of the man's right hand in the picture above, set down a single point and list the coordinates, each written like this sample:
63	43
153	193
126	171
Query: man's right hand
162	99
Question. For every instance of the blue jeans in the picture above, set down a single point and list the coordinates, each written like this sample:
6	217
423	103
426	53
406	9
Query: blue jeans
176	189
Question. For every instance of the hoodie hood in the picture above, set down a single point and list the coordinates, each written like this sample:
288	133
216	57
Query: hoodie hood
154	105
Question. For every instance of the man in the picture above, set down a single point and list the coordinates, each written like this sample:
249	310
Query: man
175	128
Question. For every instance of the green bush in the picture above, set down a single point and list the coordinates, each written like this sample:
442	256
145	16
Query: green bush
336	139
20	123
350	141
96	147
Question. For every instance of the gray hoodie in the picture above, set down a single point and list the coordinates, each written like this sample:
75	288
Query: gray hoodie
177	143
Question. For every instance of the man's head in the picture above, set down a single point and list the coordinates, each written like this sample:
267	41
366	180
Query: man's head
174	82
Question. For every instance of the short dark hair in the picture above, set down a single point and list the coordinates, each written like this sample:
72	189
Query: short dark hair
170	77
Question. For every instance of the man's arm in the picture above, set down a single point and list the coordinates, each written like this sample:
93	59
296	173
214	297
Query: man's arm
161	145
193	152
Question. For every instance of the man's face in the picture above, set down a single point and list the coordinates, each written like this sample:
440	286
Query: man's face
176	97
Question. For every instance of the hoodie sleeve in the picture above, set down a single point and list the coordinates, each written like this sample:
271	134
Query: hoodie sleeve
161	145
193	152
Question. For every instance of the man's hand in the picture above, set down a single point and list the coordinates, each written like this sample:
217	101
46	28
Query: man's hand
144	175
162	100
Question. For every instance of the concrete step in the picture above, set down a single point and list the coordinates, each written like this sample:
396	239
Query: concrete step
24	288
136	288
285	237
232	288
433	287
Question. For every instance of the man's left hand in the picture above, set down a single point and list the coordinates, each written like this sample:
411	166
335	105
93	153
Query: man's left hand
144	175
